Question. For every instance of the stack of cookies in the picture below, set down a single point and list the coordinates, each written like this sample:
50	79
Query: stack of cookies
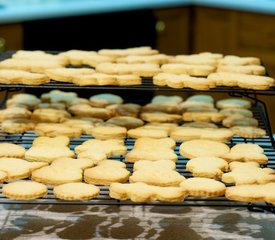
122	67
199	124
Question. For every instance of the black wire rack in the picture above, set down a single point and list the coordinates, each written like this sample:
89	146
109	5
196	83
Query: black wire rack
27	138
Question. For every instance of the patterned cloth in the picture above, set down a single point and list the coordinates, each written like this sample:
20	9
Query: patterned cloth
133	222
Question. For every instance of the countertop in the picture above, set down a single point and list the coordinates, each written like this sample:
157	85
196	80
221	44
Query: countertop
27	10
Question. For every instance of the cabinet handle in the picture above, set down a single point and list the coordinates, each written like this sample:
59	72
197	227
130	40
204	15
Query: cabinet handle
2	44
160	26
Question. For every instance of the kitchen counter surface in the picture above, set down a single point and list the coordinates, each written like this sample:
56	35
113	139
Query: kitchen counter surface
27	10
31	222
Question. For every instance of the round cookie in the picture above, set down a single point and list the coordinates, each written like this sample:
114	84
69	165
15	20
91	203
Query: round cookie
203	187
76	191
105	99
203	148
24	190
11	150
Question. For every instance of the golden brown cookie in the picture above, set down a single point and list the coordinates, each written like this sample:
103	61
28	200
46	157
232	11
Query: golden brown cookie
24	190
76	191
203	187
203	148
106	173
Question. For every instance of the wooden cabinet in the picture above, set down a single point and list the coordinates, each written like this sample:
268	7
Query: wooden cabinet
12	34
173	30
234	32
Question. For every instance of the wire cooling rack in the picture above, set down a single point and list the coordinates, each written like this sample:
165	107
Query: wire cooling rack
27	138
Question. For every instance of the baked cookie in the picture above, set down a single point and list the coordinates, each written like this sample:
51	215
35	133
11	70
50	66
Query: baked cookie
76	57
59	106
127	109
248	131
28	65
160	117
46	149
80	163
49	115
163	99
127	122
139	51
57	96
152	149
95	79
248	173
17	168
12	76
199	125
171	108
55	176
11	150
141	69
168	127
239	61
239	120
67	74
24	190
246	152
247	69
99	150
156	58
203	187
18	125
57	129
105	99
109	132
85	110
40	55
195	59
14	113
106	173
158	173
252	193
141	192
203	148
84	124
26	100
76	191
238	111
235	103
147	132
241	80
208	167
203	117
200	100
193	70
190	133
175	80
